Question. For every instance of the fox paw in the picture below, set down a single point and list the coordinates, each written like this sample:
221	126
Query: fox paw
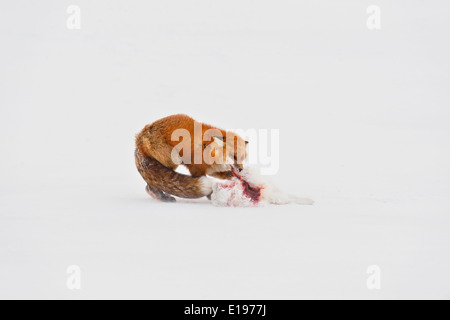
168	199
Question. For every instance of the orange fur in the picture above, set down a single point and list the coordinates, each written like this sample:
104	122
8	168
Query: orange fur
154	147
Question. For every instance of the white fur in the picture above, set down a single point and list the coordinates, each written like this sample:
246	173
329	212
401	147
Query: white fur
231	193
206	186
219	142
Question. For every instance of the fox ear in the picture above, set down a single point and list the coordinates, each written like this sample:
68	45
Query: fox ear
246	142
219	141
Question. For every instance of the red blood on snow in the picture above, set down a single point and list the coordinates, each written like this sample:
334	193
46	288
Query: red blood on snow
253	193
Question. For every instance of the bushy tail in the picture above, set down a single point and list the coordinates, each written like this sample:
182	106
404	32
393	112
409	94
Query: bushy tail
161	178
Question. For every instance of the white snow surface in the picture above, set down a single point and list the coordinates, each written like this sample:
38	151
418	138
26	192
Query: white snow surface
364	123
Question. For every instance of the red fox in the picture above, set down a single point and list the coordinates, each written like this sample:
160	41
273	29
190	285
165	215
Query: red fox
158	156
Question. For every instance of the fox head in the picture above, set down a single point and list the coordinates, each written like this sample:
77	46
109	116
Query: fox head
229	151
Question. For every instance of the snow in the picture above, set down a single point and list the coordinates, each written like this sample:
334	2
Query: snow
364	126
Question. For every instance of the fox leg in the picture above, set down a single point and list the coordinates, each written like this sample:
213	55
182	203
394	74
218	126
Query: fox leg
157	194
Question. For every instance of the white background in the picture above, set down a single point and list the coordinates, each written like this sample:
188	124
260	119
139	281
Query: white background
364	124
